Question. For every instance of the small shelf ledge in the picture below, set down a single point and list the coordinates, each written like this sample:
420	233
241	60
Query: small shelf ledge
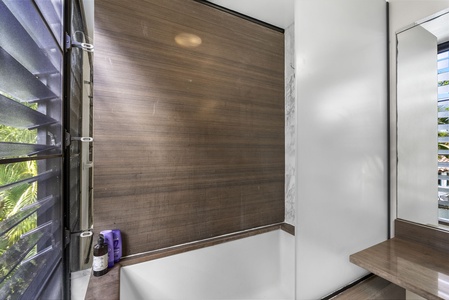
418	265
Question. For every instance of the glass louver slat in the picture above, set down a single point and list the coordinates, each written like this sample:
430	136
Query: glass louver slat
443	189
443	177
18	115
443	97
443	127
75	110
18	83
75	194
443	114
31	70
443	204
15	40
443	164
18	251
23	276
24	213
28	271
43	176
9	150
53	12
443	64
30	17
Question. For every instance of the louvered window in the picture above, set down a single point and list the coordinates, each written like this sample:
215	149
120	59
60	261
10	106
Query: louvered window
31	148
443	132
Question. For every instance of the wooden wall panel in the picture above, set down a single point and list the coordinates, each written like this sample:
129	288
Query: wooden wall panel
189	142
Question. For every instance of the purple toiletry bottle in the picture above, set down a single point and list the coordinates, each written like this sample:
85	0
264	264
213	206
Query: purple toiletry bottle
117	244
109	240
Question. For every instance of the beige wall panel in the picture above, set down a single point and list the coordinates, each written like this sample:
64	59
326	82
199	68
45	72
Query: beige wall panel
189	142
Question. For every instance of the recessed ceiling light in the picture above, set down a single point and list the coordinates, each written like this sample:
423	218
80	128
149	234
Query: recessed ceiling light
188	40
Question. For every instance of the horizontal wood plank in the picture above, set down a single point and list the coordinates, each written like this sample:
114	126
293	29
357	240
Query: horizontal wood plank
430	236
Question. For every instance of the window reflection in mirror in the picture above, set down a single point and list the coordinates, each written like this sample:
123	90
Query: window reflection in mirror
423	121
443	132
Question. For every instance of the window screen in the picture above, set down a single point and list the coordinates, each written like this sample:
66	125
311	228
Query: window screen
31	138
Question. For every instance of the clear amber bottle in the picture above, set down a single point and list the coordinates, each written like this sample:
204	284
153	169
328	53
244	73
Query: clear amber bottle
100	262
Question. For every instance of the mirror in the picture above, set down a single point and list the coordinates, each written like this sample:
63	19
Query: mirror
423	121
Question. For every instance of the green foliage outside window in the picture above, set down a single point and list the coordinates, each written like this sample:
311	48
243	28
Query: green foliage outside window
14	199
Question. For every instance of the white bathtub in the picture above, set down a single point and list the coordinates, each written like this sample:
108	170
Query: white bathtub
256	267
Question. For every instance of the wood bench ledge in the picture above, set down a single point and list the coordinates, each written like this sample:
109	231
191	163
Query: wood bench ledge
414	266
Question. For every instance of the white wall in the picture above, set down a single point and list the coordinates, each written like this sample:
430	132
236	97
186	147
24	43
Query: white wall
341	68
402	14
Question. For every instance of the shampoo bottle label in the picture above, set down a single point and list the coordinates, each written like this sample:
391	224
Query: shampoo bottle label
100	263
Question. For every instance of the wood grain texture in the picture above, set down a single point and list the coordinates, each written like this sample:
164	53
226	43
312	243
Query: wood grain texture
414	266
189	142
106	286
431	236
288	228
373	288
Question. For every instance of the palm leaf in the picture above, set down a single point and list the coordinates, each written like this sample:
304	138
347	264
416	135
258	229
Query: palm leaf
14	199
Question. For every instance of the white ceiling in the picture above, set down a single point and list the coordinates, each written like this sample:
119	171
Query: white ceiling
279	13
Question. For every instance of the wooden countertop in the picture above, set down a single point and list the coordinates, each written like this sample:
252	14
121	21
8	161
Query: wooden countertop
106	286
415	266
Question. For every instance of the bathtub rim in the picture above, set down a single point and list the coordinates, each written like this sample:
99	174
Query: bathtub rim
108	285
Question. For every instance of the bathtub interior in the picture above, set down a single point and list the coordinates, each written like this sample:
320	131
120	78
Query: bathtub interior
256	267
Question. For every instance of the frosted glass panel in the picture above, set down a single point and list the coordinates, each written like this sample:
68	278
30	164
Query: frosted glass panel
341	67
